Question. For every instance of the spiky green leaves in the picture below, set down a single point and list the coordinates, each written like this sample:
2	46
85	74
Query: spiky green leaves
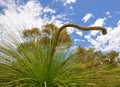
38	65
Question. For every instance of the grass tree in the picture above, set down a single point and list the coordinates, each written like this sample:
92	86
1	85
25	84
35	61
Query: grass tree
34	65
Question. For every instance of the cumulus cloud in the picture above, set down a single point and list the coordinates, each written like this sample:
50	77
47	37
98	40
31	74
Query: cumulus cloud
68	1
87	17
98	22
96	43
79	33
17	16
108	42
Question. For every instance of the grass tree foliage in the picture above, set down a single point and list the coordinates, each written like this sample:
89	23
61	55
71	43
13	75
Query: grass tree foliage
41	61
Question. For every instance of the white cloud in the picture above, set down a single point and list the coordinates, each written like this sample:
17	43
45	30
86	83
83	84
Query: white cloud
79	33
98	22
107	13
87	17
70	30
94	33
108	42
87	37
75	40
68	1
49	10
16	17
118	24
6	3
2	3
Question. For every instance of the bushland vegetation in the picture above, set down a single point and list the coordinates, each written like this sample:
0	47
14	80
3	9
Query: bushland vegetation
44	59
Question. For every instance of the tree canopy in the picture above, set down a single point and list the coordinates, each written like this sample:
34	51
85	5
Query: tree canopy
46	36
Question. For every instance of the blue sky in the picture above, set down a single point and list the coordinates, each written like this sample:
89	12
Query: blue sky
16	15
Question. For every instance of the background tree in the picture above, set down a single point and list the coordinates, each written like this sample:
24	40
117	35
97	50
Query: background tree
31	34
45	37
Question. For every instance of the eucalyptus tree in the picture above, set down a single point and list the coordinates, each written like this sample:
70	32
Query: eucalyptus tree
45	36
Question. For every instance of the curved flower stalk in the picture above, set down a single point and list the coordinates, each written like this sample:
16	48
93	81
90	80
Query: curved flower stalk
104	31
54	45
